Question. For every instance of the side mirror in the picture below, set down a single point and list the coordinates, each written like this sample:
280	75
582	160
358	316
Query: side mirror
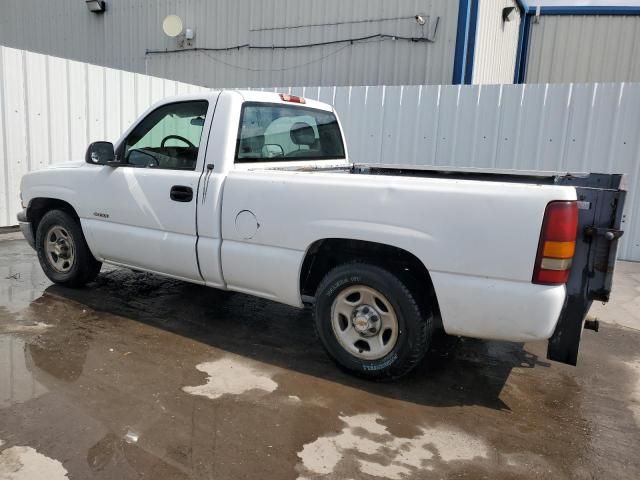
272	150
100	153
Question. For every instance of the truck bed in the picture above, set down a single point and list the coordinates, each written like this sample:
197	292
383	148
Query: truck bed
600	201
536	177
591	180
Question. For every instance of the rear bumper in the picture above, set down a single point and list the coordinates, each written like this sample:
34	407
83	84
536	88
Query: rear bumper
497	309
25	228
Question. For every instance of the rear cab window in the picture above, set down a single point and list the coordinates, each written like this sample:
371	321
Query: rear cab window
276	132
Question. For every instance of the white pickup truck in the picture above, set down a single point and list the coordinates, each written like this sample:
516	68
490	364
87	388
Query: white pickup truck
254	192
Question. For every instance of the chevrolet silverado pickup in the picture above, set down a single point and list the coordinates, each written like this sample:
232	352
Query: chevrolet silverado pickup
254	192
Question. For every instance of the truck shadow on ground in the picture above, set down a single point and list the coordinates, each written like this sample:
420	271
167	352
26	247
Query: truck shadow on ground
455	372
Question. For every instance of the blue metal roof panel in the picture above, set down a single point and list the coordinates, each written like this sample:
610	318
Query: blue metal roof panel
583	7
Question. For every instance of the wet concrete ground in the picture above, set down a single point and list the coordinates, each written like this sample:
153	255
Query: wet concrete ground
144	377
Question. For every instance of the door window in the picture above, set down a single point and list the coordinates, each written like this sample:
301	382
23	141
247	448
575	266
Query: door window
169	137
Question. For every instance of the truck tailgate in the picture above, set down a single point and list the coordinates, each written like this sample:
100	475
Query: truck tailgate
600	201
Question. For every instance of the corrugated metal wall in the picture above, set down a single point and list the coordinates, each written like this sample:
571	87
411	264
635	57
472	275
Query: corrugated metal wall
120	37
496	43
584	48
51	108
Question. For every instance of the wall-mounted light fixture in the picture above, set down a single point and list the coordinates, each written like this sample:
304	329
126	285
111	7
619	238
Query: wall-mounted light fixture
96	6
508	14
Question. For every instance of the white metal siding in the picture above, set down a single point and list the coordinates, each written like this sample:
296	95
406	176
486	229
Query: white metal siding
496	43
119	38
587	127
51	108
591	48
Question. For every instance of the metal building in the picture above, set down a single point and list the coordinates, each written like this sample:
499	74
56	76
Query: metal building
250	43
265	43
585	41
247	42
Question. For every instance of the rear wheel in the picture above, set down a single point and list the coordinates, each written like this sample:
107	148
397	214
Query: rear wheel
369	322
63	252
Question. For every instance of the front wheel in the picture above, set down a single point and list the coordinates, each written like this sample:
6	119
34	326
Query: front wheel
369	322
63	252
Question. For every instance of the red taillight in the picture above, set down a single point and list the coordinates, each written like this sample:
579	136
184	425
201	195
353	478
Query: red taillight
557	243
285	97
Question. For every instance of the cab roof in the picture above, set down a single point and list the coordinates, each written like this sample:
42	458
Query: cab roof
247	96
274	97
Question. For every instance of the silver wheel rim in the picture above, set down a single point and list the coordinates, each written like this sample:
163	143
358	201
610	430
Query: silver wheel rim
364	322
59	249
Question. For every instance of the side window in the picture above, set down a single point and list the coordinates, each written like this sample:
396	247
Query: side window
169	137
282	132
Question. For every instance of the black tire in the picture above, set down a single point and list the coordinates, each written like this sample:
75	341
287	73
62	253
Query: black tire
415	326
83	268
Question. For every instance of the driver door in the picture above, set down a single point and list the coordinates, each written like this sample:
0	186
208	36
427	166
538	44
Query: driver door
144	211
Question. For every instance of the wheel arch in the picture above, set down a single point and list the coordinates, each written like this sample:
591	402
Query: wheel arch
324	254
39	206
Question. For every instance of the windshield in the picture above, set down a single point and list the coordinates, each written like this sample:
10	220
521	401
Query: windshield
275	132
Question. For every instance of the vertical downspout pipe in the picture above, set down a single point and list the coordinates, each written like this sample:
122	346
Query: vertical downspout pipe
523	48
471	42
459	61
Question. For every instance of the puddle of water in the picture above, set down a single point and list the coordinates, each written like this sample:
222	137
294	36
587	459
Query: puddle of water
26	463
37	327
20	283
395	457
131	436
231	377
17	384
